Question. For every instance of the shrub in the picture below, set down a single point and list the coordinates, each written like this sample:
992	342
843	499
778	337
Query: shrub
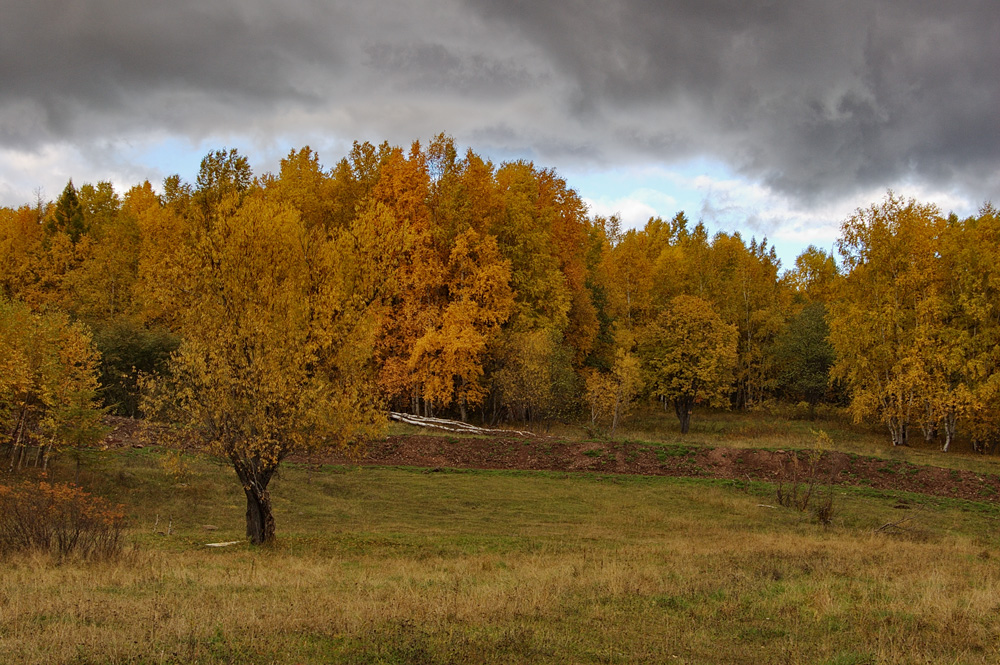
803	472
59	518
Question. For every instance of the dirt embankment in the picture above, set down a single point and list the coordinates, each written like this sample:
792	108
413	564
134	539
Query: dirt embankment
674	460
551	454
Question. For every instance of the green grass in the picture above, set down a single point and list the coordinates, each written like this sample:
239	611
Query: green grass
409	566
774	429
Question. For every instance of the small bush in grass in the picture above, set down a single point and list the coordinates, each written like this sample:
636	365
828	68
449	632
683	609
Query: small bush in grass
803	472
59	518
174	465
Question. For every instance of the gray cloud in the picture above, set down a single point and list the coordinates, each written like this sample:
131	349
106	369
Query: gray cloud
816	99
812	97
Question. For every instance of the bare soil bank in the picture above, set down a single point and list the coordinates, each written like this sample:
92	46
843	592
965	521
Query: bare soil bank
436	452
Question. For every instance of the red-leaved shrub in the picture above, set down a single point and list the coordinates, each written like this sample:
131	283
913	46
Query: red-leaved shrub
59	518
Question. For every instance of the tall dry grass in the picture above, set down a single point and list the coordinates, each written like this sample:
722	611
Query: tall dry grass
401	566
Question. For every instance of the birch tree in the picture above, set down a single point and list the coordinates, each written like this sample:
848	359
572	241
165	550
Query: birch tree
881	308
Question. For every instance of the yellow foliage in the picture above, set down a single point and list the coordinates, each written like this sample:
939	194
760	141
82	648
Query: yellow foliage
48	377
276	342
882	308
447	359
690	355
610	394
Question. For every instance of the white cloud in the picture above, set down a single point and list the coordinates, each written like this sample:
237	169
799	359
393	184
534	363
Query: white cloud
633	213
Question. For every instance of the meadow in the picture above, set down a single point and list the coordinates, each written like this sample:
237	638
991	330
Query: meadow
409	565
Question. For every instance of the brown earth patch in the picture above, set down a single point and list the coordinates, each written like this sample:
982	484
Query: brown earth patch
632	458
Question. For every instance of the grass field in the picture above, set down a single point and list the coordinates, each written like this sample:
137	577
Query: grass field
784	426
410	566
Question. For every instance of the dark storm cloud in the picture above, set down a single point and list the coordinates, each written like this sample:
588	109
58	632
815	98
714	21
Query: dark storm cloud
64	62
809	96
433	67
814	98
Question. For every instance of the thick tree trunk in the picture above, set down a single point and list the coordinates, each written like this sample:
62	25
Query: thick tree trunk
682	407
260	521
255	478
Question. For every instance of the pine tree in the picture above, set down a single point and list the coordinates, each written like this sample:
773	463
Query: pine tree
67	216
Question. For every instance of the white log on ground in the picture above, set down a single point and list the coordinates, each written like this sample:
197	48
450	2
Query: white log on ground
451	425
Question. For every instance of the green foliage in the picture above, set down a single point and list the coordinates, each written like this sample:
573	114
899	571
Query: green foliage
67	215
804	356
129	349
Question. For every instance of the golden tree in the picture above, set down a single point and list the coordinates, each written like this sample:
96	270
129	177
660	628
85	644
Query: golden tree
610	394
690	355
883	308
278	323
534	376
447	360
965	358
20	242
48	382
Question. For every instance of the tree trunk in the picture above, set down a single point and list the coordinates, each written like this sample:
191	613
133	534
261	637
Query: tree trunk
929	426
682	407
255	478
260	521
897	427
950	426
16	439
617	411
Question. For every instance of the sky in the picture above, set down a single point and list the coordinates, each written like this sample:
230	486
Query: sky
774	118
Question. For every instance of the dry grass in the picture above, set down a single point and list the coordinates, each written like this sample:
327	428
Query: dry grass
404	566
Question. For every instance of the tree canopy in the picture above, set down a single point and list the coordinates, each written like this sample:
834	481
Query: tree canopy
279	312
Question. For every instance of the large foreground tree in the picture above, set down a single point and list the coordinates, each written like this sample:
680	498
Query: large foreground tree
278	322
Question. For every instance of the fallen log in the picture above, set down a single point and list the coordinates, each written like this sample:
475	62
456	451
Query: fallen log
456	426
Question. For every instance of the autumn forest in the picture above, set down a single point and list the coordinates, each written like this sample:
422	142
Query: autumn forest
277	312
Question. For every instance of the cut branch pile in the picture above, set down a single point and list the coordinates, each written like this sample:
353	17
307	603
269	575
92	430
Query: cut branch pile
451	425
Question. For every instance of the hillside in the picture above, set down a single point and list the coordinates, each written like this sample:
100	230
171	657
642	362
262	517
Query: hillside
550	453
